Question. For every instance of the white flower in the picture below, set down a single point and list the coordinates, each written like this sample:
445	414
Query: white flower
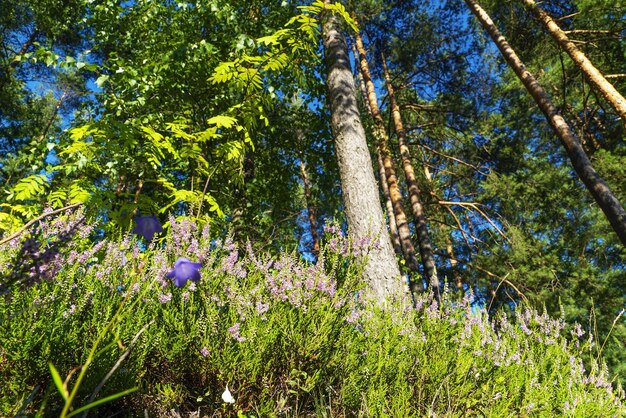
227	397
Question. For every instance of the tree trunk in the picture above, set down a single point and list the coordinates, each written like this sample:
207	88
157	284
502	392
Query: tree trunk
390	172
391	217
610	205
308	197
238	222
393	227
423	238
592	74
360	192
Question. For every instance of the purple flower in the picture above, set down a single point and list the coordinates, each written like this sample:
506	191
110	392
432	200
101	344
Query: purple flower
184	269
147	226
234	332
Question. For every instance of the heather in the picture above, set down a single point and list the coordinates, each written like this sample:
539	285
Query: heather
115	321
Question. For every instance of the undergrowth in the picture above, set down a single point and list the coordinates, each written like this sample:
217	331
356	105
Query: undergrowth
286	337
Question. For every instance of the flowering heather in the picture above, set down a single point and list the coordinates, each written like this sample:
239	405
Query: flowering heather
288	335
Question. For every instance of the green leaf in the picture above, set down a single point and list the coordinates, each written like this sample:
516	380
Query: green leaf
101	80
101	401
58	382
29	187
223	121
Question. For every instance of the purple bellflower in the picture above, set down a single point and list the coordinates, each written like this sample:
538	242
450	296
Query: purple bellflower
184	269
147	226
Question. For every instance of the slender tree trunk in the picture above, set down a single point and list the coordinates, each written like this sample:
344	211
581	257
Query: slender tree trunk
29	42
423	238
391	217
610	205
308	197
393	227
390	172
458	280
136	199
593	75
360	192
240	234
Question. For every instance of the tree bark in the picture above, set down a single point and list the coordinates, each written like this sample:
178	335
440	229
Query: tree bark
423	238
360	192
592	74
391	217
604	197
380	133
308	197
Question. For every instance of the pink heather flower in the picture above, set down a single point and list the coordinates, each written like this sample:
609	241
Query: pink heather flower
234	332
353	317
261	307
163	298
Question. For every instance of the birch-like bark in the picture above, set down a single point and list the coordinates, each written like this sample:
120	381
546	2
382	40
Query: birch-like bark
604	197
360	191
592	74
380	133
423	238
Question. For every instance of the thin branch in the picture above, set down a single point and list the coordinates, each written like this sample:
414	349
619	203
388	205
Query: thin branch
593	31
40	217
206	184
475	207
470	265
482	270
460	227
477	169
566	17
24	49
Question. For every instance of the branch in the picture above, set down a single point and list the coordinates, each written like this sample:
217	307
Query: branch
40	217
487	272
566	17
594	31
474	206
477	169
458	222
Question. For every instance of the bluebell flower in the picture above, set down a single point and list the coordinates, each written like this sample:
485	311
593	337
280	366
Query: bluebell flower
184	269
147	226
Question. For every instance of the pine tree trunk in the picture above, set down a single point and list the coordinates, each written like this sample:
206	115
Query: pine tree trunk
604	197
592	74
393	227
380	133
308	197
423	238
391	217
360	192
